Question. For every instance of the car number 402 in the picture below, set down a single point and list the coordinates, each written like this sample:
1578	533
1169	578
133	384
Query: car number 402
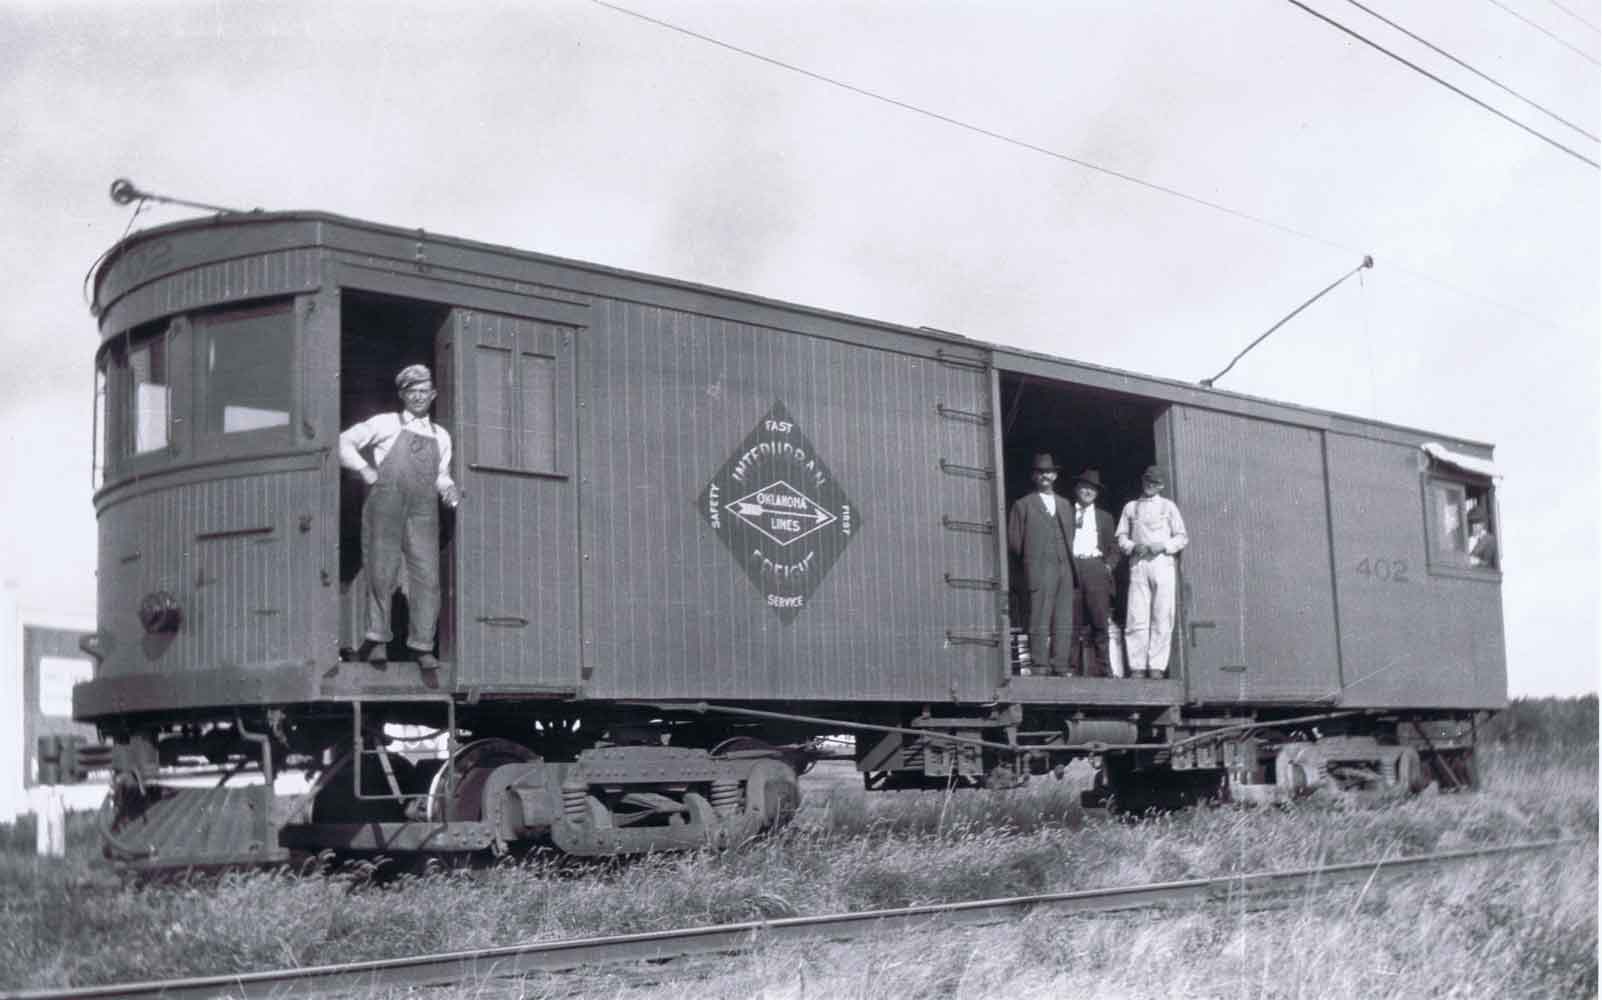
1384	570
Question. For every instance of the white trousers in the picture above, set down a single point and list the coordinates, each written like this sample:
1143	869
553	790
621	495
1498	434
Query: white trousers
1149	622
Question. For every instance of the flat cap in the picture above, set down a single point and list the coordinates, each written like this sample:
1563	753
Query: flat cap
413	375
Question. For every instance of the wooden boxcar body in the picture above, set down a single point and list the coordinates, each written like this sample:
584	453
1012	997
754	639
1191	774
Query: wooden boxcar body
703	528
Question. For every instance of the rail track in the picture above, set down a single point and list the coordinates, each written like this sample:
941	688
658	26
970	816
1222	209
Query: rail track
1259	888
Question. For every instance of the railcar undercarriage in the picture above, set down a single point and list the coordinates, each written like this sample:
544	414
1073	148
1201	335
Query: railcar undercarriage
624	779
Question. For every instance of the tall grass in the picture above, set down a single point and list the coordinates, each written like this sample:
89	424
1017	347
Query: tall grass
1549	725
1522	923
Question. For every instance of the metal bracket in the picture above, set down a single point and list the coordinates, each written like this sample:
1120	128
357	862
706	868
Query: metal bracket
971	471
952	413
972	583
973	637
978	527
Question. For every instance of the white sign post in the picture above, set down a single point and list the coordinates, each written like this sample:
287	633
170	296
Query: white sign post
50	822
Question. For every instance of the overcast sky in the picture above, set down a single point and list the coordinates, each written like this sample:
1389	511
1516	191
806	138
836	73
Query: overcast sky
572	129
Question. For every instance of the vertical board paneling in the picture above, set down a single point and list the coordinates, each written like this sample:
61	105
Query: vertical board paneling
1257	566
669	609
1408	637
246	598
516	566
279	272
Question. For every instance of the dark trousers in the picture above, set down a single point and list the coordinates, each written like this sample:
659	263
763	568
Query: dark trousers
1093	595
1051	613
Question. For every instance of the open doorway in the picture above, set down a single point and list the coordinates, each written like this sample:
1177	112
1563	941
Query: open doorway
1082	428
379	336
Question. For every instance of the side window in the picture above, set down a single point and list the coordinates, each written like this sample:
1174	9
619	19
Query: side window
148	417
516	400
137	403
219	383
497	425
537	388
244	360
1449	525
101	439
1462	532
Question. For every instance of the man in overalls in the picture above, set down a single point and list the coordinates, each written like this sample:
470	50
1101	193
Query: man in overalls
1151	533
408	476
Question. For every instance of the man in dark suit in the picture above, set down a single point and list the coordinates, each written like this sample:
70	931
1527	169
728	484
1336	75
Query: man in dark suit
1037	530
1095	554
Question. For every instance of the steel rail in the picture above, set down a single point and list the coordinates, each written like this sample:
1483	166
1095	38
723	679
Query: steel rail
656	946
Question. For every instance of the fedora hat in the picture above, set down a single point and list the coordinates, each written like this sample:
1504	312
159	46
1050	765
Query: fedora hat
1044	462
1090	477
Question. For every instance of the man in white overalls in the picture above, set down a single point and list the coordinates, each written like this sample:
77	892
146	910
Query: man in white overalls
408	476
1150	532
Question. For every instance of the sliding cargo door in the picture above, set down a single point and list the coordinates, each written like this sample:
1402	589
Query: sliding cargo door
514	548
1257	600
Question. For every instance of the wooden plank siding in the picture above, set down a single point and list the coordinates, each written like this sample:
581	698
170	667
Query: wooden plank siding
1408	637
583	561
669	611
1259	608
246	594
516	557
201	285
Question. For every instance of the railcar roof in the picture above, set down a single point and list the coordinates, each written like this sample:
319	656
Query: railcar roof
1177	391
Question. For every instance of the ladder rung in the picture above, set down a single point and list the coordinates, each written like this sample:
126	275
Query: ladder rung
973	471
978	527
952	413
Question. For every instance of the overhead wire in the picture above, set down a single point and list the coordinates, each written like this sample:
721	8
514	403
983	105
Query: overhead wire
1454	89
1077	161
1488	79
969	126
1572	14
1516	15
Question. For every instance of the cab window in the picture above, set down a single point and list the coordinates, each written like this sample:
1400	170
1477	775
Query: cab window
101	439
1462	524
149	414
244	360
134	397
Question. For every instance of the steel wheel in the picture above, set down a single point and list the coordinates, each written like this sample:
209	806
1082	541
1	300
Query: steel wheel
471	765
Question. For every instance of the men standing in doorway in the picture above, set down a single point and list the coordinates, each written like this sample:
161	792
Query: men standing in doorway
1151	533
408	476
1095	552
1037	530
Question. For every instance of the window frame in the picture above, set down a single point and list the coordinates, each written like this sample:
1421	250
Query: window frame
121	460
187	442
100	430
538	339
1440	560
210	444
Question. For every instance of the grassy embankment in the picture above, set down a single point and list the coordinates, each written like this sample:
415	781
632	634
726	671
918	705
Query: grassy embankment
1518	928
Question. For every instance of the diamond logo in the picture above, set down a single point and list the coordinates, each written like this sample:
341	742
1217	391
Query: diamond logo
781	512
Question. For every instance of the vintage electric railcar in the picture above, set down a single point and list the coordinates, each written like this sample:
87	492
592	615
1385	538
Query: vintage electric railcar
703	530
